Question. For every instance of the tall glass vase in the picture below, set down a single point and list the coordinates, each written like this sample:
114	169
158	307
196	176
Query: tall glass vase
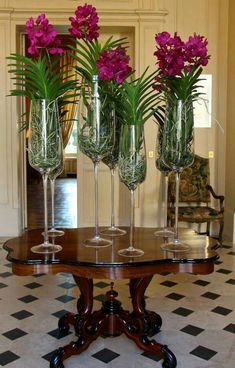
95	140
165	170
44	152
111	160
177	152
52	178
132	171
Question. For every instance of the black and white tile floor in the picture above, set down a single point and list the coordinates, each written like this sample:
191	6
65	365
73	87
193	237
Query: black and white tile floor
198	315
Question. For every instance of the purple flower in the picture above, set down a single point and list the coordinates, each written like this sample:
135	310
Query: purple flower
85	24
113	65
162	38
175	56
170	53
179	63
196	50
42	34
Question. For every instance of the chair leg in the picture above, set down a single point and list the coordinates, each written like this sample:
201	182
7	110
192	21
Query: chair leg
208	228
221	231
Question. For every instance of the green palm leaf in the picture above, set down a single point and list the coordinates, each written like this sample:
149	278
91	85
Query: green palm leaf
139	100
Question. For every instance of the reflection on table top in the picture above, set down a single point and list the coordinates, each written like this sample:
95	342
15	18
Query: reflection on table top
74	254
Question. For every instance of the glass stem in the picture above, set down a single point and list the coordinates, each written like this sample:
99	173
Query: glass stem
112	171
177	182
132	219
52	185
44	179
166	178
96	200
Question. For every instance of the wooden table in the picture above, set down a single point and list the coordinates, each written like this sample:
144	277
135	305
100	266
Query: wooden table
86	264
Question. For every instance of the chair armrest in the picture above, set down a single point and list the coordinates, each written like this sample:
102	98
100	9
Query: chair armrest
219	197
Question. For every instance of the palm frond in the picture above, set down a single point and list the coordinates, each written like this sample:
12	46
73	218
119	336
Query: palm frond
138	99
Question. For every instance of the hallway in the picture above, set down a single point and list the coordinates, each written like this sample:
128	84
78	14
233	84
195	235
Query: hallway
65	203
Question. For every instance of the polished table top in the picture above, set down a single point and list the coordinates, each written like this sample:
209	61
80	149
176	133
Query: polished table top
105	262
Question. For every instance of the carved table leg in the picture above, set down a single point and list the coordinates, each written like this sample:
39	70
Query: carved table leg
152	320
84	306
112	320
137	325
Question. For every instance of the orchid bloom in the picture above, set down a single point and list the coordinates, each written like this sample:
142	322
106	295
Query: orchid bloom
42	34
113	65
85	23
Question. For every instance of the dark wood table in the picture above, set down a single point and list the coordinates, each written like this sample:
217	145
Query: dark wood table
86	264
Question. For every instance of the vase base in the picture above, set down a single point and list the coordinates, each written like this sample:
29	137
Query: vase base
46	248
175	246
131	252
165	233
113	231
97	242
55	232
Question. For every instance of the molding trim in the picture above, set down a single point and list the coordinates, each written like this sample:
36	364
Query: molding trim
101	11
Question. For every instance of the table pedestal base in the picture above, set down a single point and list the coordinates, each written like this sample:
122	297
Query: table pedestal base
112	320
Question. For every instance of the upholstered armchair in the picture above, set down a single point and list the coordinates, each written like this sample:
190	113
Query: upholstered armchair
195	194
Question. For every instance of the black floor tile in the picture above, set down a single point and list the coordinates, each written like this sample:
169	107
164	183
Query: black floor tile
2	285
22	314
105	355
7	357
33	285
14	334
192	330
184	312
101	298
49	355
201	282
60	313
221	310
210	295
57	334
231	281
175	296
224	271
230	328
101	284
28	299
6	274
65	298
168	283
203	352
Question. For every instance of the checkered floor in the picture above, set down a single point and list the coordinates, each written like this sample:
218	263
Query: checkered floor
198	315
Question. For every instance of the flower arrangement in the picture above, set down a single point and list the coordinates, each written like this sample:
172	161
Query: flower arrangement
180	64
109	61
40	75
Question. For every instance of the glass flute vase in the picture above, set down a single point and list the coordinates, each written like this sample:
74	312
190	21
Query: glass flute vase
95	140
132	171
177	154
44	152
111	160
52	232
165	231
